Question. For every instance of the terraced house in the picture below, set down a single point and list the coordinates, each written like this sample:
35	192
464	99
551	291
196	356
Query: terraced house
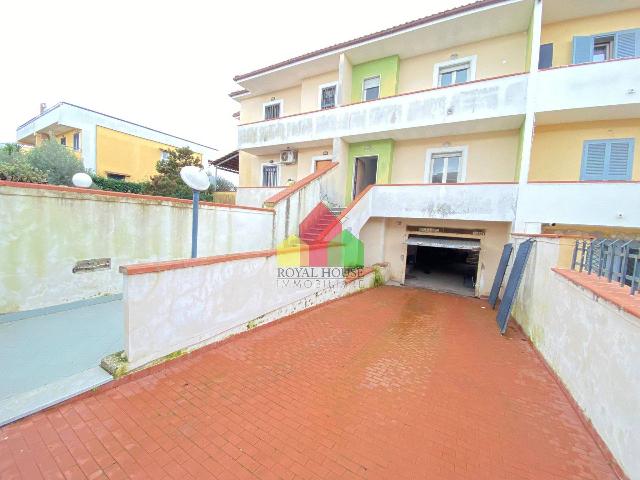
109	146
453	132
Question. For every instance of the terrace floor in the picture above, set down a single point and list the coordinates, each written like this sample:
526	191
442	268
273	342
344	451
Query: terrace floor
392	383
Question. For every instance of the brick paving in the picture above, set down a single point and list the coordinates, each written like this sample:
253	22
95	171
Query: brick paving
392	383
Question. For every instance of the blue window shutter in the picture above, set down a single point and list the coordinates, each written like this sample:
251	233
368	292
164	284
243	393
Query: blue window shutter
619	159
593	160
582	49
627	44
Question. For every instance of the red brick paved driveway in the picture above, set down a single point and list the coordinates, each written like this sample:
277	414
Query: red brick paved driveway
392	383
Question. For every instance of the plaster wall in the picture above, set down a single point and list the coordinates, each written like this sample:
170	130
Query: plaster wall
557	149
496	235
189	307
591	344
561	33
310	90
255	196
612	204
45	232
495	57
501	100
251	166
491	157
251	109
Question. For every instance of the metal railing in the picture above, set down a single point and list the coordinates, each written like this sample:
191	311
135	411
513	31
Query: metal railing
617	260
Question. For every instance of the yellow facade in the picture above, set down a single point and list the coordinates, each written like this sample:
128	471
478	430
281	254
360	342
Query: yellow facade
561	33
495	57
557	149
491	157
120	153
310	91
251	109
251	166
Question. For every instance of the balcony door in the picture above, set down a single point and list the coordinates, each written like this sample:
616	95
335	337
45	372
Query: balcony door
365	172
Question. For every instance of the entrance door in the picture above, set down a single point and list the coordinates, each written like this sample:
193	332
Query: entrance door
323	164
365	173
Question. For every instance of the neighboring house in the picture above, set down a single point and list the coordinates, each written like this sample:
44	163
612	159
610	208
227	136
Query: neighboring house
497	117
107	145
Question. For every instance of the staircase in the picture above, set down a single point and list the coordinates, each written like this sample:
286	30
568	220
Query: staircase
313	233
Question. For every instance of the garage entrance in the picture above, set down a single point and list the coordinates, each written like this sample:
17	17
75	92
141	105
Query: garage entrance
443	264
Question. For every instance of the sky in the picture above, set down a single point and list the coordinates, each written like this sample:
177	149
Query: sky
168	65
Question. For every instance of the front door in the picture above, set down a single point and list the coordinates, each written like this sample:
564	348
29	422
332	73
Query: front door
365	173
323	164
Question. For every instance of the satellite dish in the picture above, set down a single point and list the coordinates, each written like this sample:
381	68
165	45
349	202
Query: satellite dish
195	177
82	180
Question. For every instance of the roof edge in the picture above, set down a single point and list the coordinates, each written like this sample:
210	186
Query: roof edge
59	104
372	36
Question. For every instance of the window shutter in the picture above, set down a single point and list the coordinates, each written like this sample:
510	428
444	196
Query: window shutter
582	49
620	158
627	44
593	160
546	56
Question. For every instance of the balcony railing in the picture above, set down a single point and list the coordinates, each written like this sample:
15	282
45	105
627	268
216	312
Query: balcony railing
617	260
479	100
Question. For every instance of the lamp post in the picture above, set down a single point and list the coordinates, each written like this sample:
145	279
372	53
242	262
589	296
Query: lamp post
198	180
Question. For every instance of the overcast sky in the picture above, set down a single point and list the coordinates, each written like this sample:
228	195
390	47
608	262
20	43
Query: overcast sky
167	65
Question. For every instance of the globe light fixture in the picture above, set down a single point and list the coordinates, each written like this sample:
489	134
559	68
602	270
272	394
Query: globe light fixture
81	180
198	180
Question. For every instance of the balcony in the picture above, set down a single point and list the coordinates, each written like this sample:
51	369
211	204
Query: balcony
592	91
612	204
493	202
483	105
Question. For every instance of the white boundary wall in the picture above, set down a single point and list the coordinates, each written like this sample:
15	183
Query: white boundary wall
45	231
591	344
193	305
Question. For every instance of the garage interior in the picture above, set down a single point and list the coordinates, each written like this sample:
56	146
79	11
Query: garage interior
443	264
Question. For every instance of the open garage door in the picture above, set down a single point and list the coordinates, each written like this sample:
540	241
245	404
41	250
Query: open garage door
445	264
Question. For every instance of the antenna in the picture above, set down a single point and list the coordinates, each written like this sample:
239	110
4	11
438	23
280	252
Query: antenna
195	177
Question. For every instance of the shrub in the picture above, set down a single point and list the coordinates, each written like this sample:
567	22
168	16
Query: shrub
113	185
56	161
17	169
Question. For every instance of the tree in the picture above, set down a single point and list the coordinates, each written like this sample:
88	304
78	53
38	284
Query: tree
168	182
56	161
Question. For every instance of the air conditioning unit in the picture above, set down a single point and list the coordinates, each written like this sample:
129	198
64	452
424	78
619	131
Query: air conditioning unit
288	157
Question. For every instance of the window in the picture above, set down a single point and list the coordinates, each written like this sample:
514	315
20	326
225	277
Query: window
607	159
455	71
445	165
328	95
269	175
76	141
371	88
272	109
164	155
63	141
116	176
602	47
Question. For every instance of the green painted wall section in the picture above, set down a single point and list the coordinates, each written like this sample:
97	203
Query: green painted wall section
383	149
388	70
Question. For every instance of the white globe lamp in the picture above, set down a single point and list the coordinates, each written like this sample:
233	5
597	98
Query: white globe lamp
198	180
81	180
